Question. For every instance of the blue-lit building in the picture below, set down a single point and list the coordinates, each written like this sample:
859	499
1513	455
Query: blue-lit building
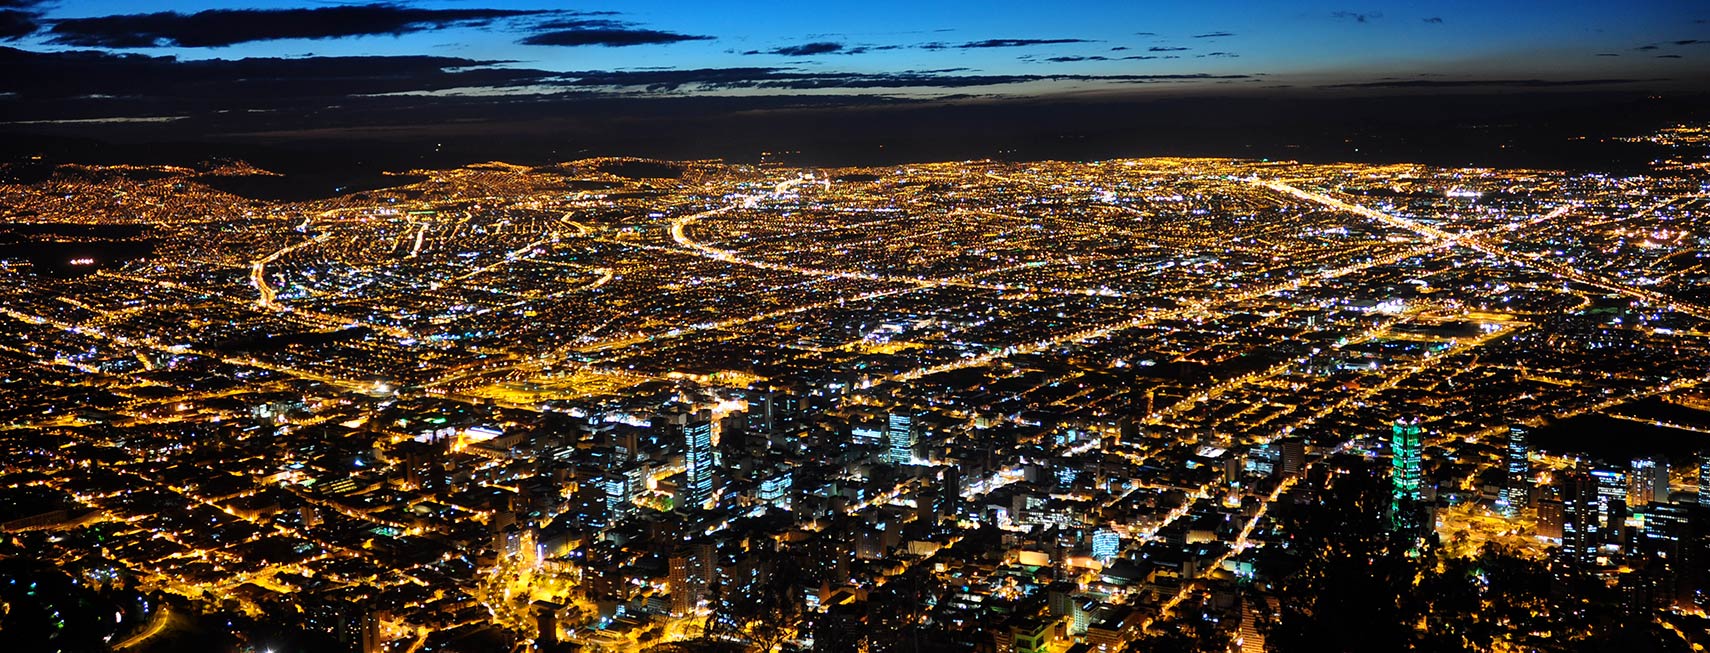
775	489
1517	490
619	497
1105	544
903	434
697	487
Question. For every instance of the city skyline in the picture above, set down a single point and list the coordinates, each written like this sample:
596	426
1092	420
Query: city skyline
492	326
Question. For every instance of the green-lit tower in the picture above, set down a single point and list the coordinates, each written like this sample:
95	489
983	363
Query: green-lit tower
1406	447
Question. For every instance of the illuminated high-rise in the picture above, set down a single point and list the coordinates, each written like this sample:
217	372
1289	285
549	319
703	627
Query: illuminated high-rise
1581	519
902	434
697	487
692	569
1105	544
1611	497
1647	482
1517	489
1704	479
1406	476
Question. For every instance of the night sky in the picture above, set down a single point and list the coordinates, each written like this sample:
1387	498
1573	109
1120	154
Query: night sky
284	65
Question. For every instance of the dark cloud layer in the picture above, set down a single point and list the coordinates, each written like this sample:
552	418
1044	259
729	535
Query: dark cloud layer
808	49
268	83
16	24
253	82
222	27
614	37
1008	43
1213	35
594	28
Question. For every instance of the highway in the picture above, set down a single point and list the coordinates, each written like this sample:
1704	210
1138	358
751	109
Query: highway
156	623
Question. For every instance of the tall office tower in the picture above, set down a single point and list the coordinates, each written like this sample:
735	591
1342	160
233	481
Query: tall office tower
949	498
698	463
1551	515
1582	522
1704	479
1293	453
1647	482
1517	491
691	576
373	636
1611	498
1406	451
902	434
759	416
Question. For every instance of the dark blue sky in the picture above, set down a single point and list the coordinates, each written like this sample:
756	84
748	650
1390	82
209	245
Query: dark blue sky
1021	48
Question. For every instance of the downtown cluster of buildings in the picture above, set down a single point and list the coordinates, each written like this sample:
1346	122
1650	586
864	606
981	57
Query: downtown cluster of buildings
610	405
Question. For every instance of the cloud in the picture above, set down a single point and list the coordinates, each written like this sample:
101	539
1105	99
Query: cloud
223	27
168	85
1358	17
1668	56
19	18
16	24
1226	55
1434	20
611	37
1160	48
809	49
1213	35
1014	43
1073	59
1509	83
222	82
585	20
1647	48
789	79
1607	54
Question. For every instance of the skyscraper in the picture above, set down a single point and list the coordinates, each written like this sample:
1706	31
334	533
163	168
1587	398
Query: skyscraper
1406	477
691	576
1551	517
1517	491
902	434
698	464
1647	482
1611	497
1581	519
1293	455
1704	479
